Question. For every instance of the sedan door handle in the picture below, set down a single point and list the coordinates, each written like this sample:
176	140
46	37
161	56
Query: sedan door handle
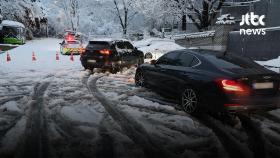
162	70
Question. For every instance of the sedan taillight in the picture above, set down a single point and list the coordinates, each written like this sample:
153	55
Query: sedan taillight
232	86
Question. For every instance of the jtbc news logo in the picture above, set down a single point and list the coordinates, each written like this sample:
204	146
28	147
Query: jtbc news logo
250	19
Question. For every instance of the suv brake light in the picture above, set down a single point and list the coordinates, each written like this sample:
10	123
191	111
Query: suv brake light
105	51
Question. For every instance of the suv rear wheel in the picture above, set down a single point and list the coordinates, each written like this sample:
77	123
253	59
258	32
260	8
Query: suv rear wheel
148	56
88	67
140	62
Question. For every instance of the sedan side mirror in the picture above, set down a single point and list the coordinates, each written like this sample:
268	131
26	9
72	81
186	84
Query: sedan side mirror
153	62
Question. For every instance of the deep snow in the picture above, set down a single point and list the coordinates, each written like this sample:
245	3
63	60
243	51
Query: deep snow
75	122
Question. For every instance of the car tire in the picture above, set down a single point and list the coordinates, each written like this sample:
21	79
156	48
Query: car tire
140	61
88	67
148	56
190	100
140	79
115	70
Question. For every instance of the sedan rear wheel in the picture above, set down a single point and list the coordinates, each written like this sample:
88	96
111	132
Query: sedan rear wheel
189	101
140	79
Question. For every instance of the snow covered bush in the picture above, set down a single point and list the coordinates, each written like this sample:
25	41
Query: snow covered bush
28	12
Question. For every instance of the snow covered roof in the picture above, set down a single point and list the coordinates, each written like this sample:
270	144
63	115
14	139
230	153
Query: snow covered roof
12	23
108	39
244	3
194	35
149	41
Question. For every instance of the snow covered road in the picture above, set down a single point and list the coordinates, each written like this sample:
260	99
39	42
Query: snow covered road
55	109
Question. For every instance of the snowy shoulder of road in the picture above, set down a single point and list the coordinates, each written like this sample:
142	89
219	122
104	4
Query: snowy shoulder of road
148	41
158	46
273	64
45	53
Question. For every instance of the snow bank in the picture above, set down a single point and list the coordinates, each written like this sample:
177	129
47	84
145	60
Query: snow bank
45	51
194	35
157	46
81	113
11	106
150	41
273	64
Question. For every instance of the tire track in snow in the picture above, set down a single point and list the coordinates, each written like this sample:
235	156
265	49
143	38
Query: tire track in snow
77	143
130	127
15	117
256	139
270	117
105	145
7	99
35	141
221	137
271	140
233	147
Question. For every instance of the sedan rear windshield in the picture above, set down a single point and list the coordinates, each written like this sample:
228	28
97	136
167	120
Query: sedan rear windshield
98	45
231	62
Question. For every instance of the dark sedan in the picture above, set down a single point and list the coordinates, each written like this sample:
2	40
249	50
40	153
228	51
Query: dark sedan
201	80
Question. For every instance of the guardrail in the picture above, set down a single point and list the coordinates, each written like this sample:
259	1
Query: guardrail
192	35
243	3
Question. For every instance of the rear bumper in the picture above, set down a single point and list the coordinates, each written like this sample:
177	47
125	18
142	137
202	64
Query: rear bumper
251	108
254	104
69	53
100	64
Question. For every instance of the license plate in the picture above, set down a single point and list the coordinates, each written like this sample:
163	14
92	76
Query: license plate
92	61
267	85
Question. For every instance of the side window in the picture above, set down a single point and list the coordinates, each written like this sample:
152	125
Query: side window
187	60
162	60
195	62
169	59
120	45
128	45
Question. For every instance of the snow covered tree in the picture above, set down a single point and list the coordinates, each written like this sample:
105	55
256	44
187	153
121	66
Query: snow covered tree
200	12
204	13
28	12
179	9
1	18
71	10
125	12
155	11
